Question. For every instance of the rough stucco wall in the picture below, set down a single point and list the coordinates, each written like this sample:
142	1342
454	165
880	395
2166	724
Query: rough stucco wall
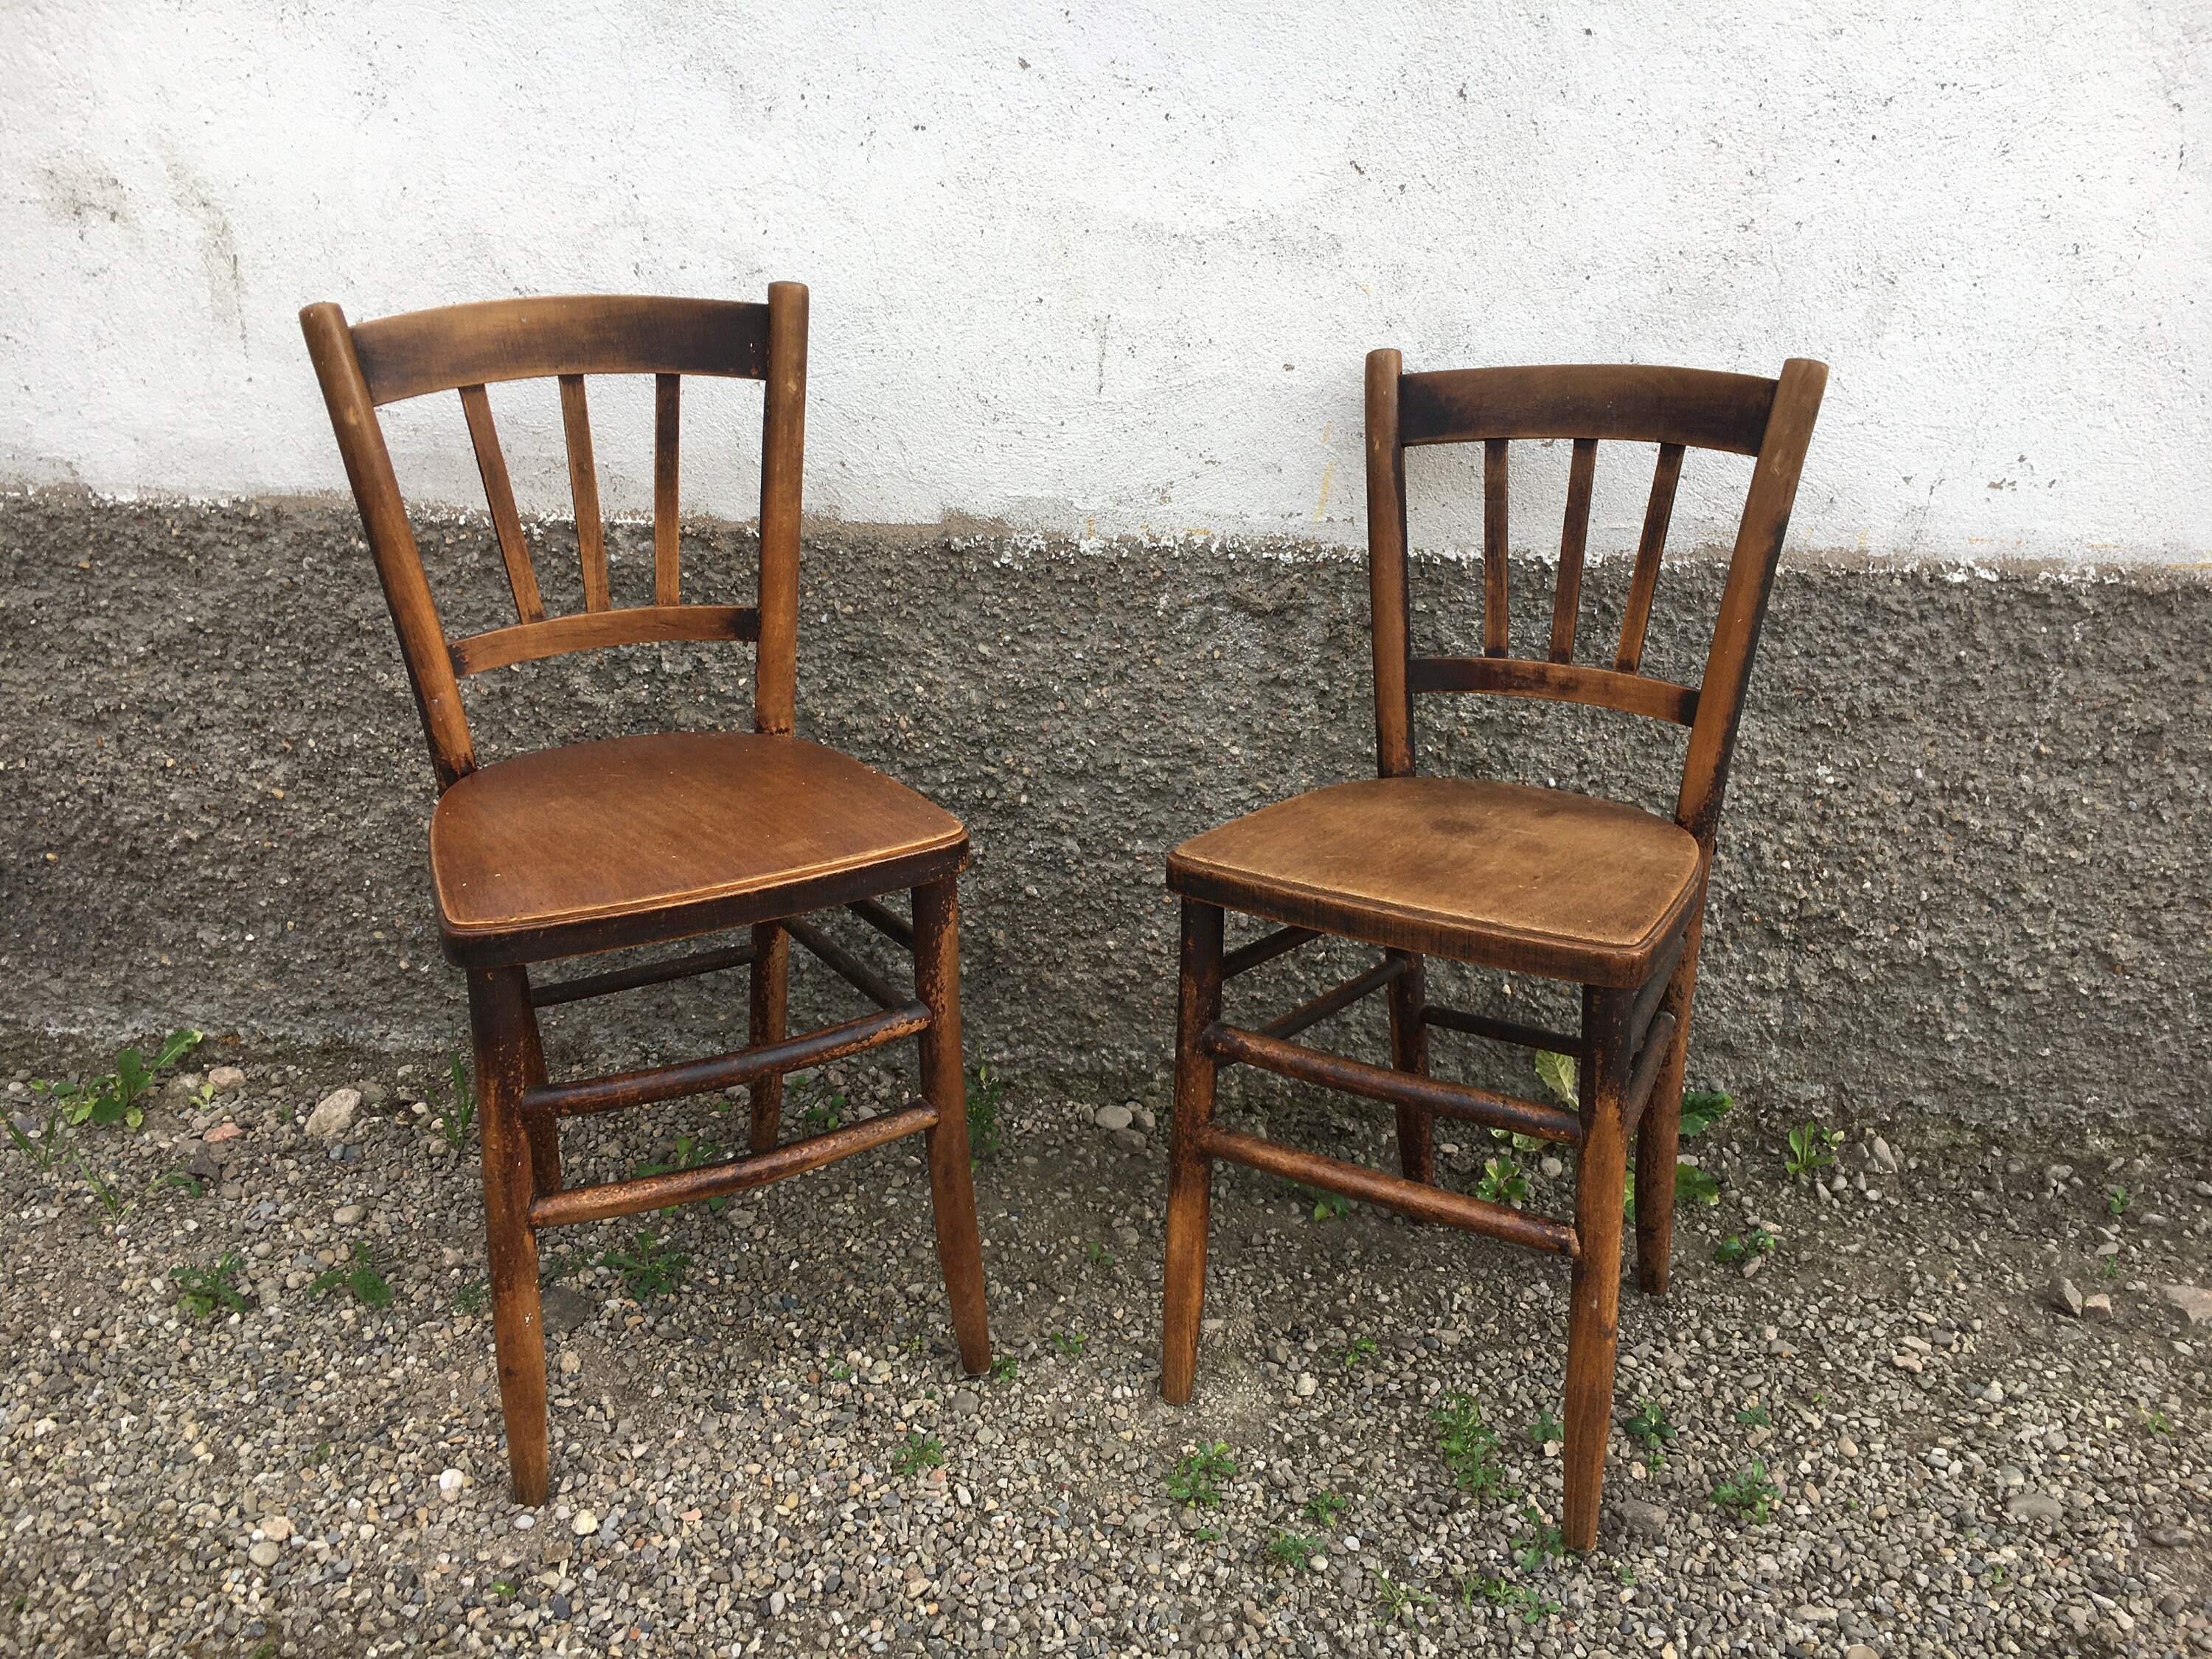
1961	870
1114	269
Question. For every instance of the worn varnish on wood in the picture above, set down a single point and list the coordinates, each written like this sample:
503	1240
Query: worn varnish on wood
1595	893
650	840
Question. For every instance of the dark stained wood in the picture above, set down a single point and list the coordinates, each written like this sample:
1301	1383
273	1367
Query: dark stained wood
598	630
1528	881
1408	1198
1645	583
667	545
1522	878
505	1034
1355	989
1624	402
1265	948
1190	1168
610	1199
1499	1030
536	850
499	494
538	338
1462	1100
1561	682
584	488
730	1070
847	966
629	979
1574	536
652	839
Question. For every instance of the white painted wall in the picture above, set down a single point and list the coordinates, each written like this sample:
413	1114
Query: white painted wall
1115	266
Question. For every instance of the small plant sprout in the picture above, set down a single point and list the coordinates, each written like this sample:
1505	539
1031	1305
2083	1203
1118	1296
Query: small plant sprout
1748	1495
1753	1416
1099	1254
1469	1447
472	1298
2116	1202
1559	1073
1195	1480
202	1290
1648	1428
1738	1246
1701	1110
921	1451
453	1123
1323	1507
360	1277
838	1371
1293	1549
648	1267
986	1121
1361	1350
1068	1343
1502	1593
2154	1422
1544	1542
691	1153
1812	1148
1502	1183
1327	1206
1397	1597
1545	1429
1005	1369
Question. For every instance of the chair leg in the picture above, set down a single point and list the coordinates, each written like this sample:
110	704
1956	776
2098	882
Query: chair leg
1190	1170
771	986
1658	1135
544	1133
951	1179
505	1030
1594	1305
1409	1052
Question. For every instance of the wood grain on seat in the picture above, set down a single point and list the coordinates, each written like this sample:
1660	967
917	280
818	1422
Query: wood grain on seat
594	834
1539	879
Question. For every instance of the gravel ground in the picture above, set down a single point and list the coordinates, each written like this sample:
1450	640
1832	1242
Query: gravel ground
1962	1467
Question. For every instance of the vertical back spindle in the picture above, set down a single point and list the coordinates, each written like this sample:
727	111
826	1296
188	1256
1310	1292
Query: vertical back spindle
499	493
1385	565
1494	547
783	448
1567	599
1645	582
584	487
667	569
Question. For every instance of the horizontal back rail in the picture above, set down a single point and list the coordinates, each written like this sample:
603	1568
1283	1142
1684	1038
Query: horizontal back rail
591	630
1562	682
1631	403
425	351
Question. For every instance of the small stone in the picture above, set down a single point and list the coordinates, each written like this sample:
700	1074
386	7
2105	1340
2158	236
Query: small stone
220	1133
334	1114
348	1215
570	1365
1552	1168
1308	1385
1111	1118
1144	1118
1640	1519
2098	1307
584	1523
964	1402
2170	1538
2195	1304
2058	1172
2034	1506
266	1553
1885	1159
523	1522
2066	1297
564	1310
450	1484
278	1527
1860	1651
225	1080
775	1604
1132	1138
1809	1615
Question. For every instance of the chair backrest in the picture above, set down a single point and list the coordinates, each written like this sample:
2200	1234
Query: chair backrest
1676	408
465	349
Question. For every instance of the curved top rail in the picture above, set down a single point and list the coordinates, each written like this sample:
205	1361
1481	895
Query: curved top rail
418	352
1622	402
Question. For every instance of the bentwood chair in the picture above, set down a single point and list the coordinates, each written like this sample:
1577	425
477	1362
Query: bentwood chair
1593	892
642	840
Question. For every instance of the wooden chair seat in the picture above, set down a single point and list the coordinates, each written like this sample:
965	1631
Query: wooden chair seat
1463	867
633	839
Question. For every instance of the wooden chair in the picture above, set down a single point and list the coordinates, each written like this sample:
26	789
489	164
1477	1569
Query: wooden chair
1528	880
645	840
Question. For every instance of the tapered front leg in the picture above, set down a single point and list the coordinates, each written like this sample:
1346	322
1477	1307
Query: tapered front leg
770	983
1190	1169
1409	1052
951	1178
1658	1135
1594	1305
505	1030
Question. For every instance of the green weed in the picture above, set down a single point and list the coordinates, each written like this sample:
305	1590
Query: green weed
1738	1246
201	1291
691	1153
986	1117
453	1123
1099	1254
1068	1343
1648	1428
2154	1422
1545	1429
1327	1206
1396	1597
1361	1350
1749	1495
1754	1417
1502	1183
1544	1542
2116	1202
921	1451
1812	1148
1323	1507
1005	1369
1469	1447
1701	1110
1195	1479
649	1267
1502	1593
360	1277
1293	1549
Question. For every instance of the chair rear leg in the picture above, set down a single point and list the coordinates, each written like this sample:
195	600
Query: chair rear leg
1658	1135
770	984
1594	1305
1190	1170
951	1179
1409	1052
505	1030
544	1132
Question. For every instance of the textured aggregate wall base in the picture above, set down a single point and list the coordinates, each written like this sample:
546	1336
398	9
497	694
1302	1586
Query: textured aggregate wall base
1962	868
